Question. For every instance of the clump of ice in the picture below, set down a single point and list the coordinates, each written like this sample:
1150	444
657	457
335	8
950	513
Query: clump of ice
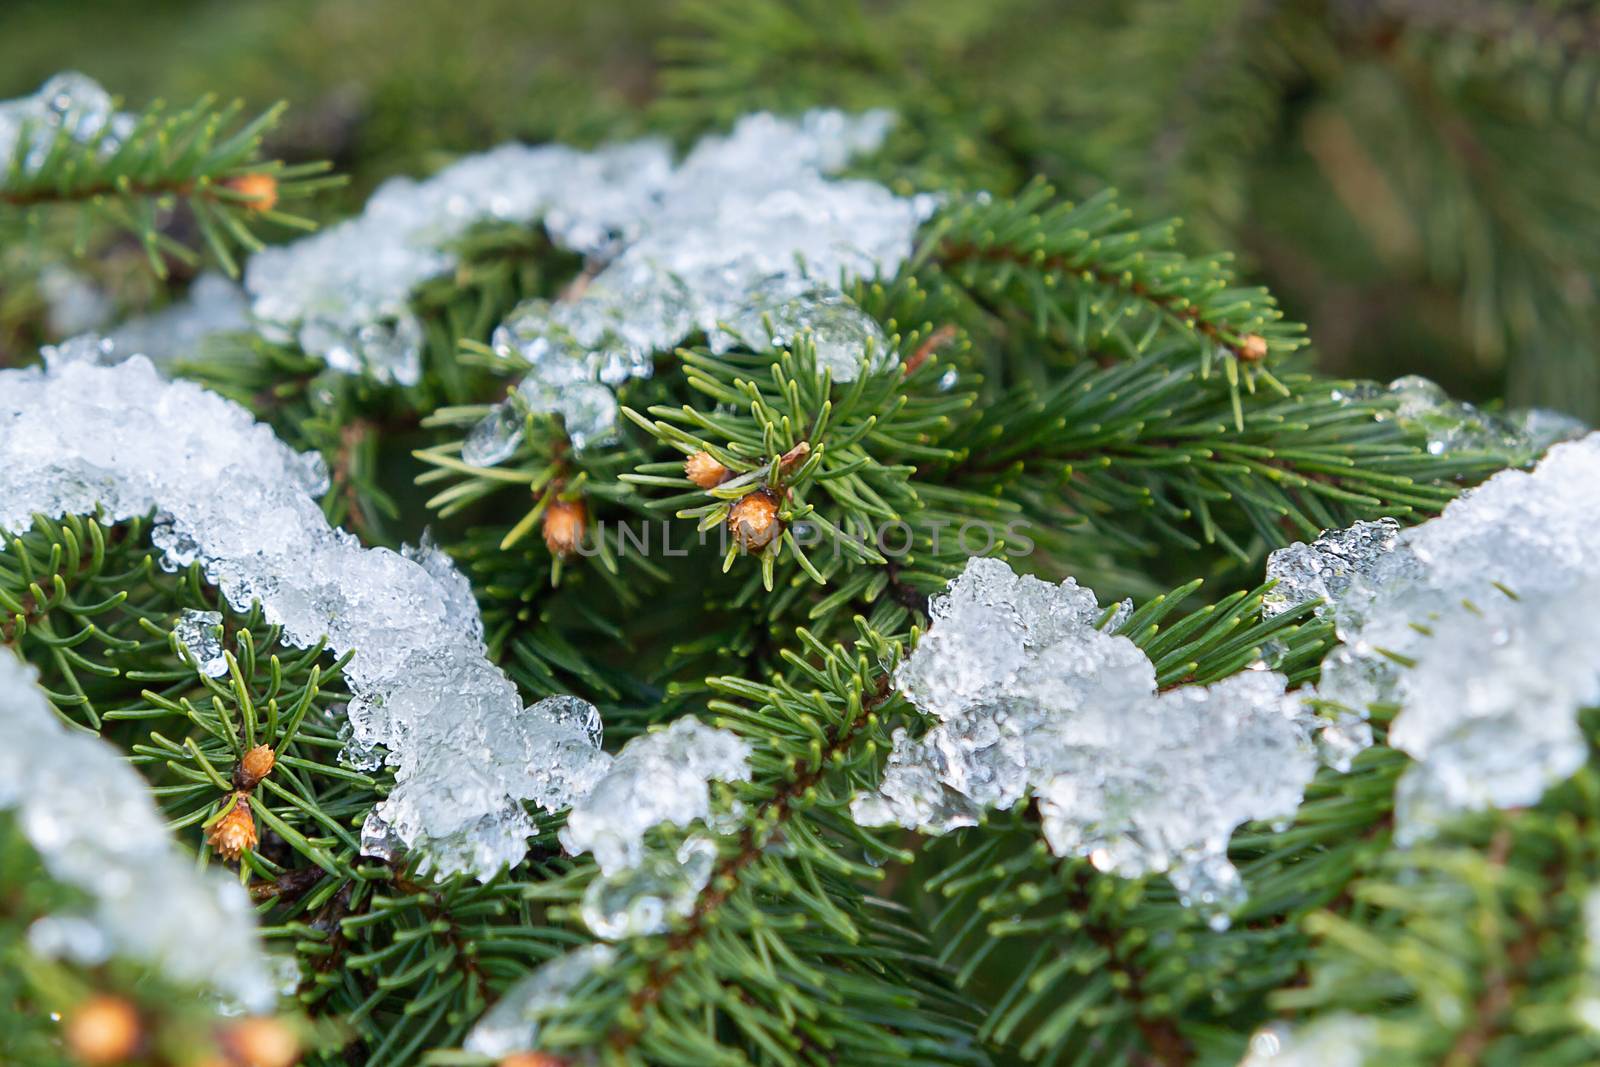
643	900
1031	697
80	437
90	817
1544	427
1452	426
1341	1040
672	248
659	778
342	293
69	103
785	308
199	632
514	1023
1324	569
213	305
1478	627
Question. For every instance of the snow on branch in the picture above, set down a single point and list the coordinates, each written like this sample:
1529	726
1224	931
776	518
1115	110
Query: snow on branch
1478	625
1033	697
69	105
119	440
749	216
91	819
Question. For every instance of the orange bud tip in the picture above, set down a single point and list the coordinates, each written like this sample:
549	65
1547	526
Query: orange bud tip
104	1030
754	522
261	1043
565	523
260	191
235	832
704	471
256	765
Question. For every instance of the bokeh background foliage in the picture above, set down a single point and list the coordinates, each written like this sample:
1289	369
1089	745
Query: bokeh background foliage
1415	179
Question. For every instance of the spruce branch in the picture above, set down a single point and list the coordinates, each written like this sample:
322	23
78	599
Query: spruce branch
1089	279
200	156
1111	963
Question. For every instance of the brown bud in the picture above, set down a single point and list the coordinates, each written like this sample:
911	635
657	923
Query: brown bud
260	191
533	1059
234	832
256	765
1252	348
794	457
704	471
261	1043
754	520
564	524
104	1029
935	341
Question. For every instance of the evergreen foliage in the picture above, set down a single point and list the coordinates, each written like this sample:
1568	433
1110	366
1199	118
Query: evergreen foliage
1077	385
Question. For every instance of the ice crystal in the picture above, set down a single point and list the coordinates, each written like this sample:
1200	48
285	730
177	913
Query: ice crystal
513	1024
675	249
659	778
69	103
81	437
495	438
1477	626
1160	783
1032	696
1544	427
1453	426
1324	569
198	632
1341	1040
588	410
90	817
642	900
782	310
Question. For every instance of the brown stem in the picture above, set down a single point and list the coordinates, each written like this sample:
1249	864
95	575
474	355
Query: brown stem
1246	350
752	844
1502	981
93	191
1166	1043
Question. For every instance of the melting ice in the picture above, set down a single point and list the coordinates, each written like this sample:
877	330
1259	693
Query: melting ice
1451	425
90	817
662	777
69	103
81	437
513	1024
198	633
642	900
658	778
1478	627
84	436
749	222
1031	696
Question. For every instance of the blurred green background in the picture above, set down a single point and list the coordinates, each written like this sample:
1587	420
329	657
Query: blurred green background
1416	179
